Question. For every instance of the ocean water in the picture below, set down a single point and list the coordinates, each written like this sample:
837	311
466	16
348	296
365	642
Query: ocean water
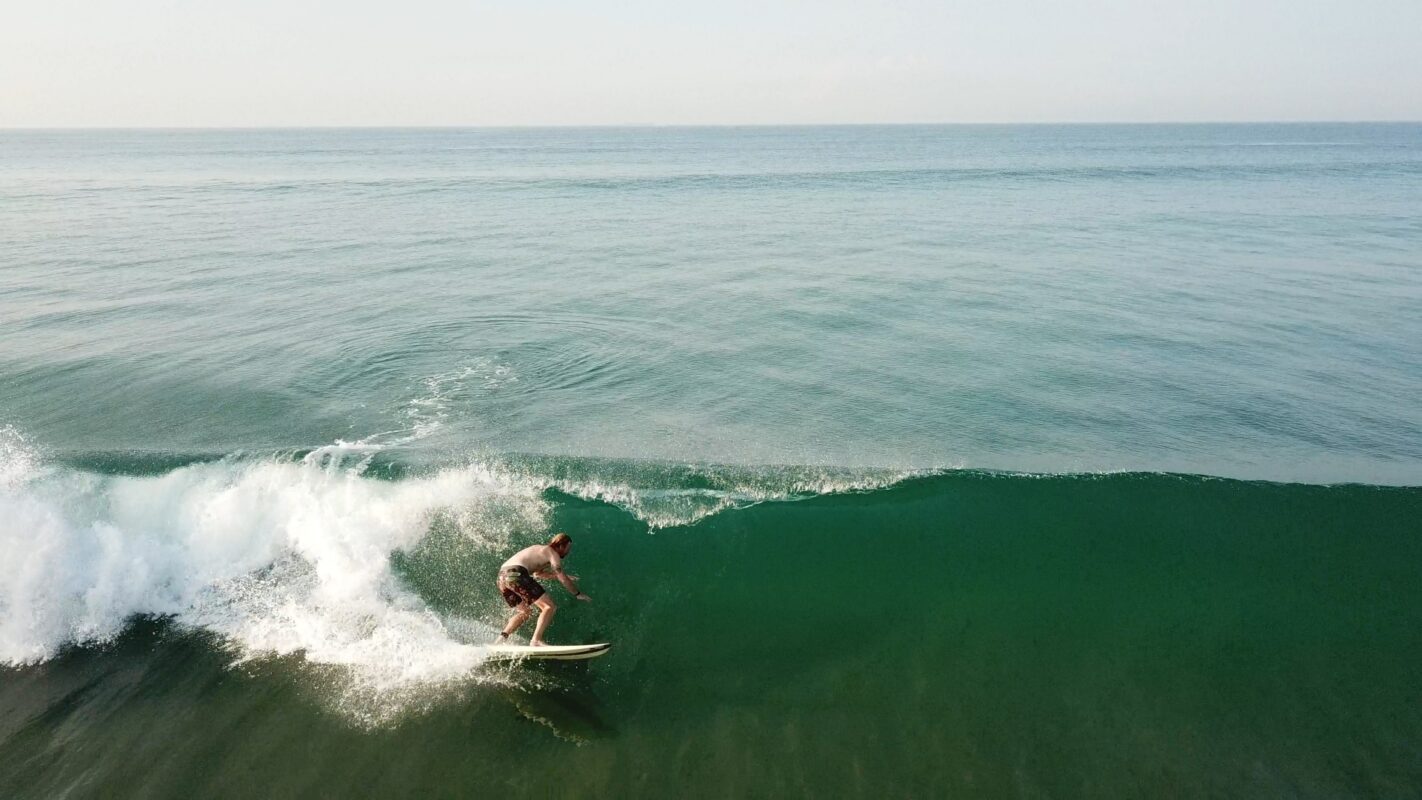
1067	461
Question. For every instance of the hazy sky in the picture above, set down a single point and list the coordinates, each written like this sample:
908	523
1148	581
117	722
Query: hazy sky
546	62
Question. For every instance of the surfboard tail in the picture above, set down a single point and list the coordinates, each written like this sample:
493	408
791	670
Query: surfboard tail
574	652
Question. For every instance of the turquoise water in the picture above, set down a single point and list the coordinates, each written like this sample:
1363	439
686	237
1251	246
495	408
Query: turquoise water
981	460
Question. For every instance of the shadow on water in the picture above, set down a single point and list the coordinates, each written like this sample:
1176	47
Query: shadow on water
561	697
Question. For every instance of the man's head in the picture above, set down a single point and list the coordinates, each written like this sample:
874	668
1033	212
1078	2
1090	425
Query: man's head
562	543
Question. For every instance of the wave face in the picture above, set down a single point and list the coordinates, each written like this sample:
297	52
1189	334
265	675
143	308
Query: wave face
776	631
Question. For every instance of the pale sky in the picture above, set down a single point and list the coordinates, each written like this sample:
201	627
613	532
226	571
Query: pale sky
561	62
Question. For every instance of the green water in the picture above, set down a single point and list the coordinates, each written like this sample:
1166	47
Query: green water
1124	635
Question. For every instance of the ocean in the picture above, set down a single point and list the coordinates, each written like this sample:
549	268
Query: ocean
906	461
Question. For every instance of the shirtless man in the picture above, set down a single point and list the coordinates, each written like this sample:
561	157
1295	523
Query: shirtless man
522	592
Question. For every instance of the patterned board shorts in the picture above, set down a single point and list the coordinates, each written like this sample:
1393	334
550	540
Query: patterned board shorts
517	586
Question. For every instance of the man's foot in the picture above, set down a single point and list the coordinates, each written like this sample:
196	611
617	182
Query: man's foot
538	644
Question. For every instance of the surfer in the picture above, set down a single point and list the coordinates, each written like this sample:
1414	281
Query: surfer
522	592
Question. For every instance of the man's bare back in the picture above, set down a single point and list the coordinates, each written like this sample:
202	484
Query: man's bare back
536	559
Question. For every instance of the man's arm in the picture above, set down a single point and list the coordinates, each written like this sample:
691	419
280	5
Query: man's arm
556	562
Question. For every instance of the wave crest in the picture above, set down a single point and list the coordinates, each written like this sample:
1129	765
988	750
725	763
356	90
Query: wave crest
276	557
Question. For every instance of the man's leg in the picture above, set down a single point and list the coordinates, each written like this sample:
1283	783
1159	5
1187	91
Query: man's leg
518	619
546	607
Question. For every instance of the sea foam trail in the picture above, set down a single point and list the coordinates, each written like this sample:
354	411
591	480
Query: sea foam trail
666	495
275	557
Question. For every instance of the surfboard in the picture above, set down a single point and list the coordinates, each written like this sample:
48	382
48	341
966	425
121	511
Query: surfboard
555	652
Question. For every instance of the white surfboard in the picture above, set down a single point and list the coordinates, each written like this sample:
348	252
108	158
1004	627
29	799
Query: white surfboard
556	652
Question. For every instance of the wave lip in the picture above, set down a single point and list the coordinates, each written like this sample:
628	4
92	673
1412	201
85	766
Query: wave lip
671	494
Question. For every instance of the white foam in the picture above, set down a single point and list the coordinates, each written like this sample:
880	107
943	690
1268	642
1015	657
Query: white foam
444	392
738	488
276	557
18	459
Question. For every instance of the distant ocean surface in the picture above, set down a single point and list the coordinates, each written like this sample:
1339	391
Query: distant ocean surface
1067	461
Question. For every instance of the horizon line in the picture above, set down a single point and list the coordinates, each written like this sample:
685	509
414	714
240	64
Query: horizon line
682	125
